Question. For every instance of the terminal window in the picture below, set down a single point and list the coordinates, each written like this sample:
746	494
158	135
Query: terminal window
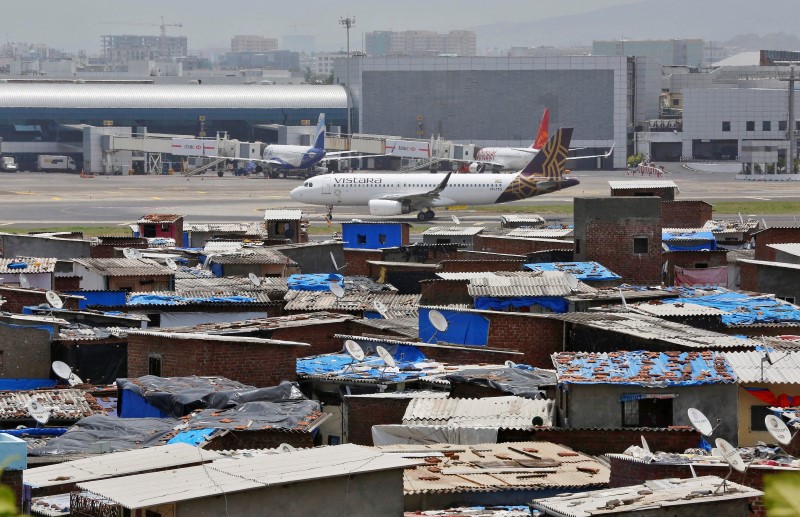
766	125
726	126
781	125
797	125
751	125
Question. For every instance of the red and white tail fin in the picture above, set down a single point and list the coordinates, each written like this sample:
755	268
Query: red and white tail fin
541	136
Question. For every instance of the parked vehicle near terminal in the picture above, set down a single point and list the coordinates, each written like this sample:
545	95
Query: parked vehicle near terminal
8	164
48	162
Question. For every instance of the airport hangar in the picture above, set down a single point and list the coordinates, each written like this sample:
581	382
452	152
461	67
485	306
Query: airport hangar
481	100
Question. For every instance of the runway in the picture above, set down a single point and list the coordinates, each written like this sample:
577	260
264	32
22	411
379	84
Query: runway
55	199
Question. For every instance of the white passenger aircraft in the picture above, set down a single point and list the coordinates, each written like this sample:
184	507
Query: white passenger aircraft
498	159
397	193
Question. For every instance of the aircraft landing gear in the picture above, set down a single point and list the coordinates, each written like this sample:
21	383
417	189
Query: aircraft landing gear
329	215
426	215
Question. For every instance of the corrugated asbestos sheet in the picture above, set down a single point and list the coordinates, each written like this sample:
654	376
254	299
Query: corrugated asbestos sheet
171	96
117	464
541	233
124	267
636	184
351	301
497	412
778	367
660	309
522	218
497	467
222	227
253	256
159	218
66	404
453	230
282	215
548	283
31	265
190	286
228	476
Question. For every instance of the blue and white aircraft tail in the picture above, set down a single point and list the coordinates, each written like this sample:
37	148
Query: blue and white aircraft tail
319	139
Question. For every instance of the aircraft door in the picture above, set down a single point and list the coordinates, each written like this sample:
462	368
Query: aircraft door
326	186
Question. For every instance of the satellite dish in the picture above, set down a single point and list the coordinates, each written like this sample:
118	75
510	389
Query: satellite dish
129	253
137	254
63	370
385	356
285	447
39	413
645	445
23	281
254	279
171	264
438	320
510	364
354	349
380	307
336	289
572	281
700	422
778	429
335	265
54	300
731	455
455	219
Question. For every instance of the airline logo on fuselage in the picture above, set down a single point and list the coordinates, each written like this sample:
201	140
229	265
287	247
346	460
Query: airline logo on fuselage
340	181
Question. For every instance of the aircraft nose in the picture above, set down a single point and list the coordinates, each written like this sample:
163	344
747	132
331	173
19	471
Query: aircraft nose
296	193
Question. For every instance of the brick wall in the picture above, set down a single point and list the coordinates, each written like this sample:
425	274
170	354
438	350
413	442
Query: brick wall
356	261
536	337
690	259
444	292
258	364
748	275
606	441
611	244
363	413
515	246
259	440
17	298
67	283
775	235
319	336
626	473
359	329
13	480
685	214
480	265
471	355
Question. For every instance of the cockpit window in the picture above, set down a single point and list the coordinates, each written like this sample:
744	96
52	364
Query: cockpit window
310	184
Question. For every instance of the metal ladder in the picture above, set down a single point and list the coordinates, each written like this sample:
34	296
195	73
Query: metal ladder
421	165
203	168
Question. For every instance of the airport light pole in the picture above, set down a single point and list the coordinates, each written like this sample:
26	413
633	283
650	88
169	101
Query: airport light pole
790	125
348	23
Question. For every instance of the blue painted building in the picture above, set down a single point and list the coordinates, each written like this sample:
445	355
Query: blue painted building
375	235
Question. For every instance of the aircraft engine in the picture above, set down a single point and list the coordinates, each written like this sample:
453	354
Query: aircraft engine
388	207
477	167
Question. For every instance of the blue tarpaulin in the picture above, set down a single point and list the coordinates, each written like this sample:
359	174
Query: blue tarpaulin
192	437
744	309
554	303
371	367
316	282
161	299
464	328
36	431
581	270
133	405
100	298
25	384
48	328
687	241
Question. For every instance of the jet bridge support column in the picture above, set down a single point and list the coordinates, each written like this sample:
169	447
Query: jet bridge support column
154	163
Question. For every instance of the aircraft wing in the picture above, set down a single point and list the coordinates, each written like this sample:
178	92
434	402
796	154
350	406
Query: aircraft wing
329	158
259	160
422	197
604	155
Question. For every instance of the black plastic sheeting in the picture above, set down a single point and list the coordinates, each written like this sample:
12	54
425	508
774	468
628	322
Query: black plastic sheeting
514	381
101	433
179	396
94	363
290	414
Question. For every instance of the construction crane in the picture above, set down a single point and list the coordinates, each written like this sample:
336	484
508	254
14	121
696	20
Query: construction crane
163	26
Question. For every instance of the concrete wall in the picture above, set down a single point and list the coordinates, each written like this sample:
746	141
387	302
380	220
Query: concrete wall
745	401
605	230
364	495
776	235
782	282
598	405
315	258
13	245
24	351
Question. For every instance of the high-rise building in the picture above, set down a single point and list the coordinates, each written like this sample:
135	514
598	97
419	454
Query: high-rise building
120	49
670	52
253	43
420	43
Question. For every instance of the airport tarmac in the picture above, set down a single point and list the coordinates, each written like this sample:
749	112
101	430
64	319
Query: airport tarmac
56	199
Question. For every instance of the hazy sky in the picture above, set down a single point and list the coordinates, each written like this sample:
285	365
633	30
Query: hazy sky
78	24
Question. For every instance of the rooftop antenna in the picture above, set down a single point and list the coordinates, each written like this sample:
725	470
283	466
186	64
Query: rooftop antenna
63	370
171	264
624	303
54	300
438	321
386	357
254	279
24	282
381	308
732	457
129	253
701	423
741	219
335	265
285	448
764	222
355	351
455	219
39	412
336	289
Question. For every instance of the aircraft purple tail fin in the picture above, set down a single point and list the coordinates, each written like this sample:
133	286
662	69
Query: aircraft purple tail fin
551	160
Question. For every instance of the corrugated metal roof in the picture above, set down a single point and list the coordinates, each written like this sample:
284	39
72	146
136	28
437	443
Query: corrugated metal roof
401	395
768	263
666	494
581	270
253	256
791	248
222	246
124	267
180	96
636	184
498	412
227	476
351	301
159	218
282	215
189	286
453	230
117	464
221	227
660	309
467	275
64	404
543	233
51	505
546	283
33	265
173	298
643	368
778	367
522	218
495	467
